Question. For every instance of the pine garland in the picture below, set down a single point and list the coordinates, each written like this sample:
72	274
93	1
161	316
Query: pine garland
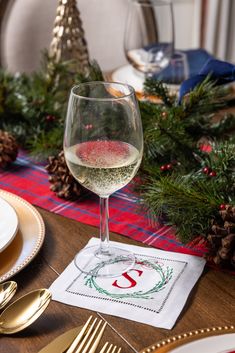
189	164
174	132
33	107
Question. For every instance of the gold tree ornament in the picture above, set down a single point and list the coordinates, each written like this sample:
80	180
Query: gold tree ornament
69	41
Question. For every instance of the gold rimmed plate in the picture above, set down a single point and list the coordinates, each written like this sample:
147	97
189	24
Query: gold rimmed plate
27	241
210	340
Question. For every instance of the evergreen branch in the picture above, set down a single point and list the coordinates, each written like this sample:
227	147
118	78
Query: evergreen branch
157	88
49	141
33	107
206	97
187	206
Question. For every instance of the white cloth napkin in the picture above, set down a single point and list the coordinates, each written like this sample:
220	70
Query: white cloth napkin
153	293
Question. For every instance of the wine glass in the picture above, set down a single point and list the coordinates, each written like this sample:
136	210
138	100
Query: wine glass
103	148
149	36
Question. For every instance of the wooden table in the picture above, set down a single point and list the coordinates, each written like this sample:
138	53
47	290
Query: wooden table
210	304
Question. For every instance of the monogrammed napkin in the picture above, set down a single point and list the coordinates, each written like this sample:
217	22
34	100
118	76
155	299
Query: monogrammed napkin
154	292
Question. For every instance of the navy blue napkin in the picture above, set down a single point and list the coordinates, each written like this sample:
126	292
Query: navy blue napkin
219	71
183	65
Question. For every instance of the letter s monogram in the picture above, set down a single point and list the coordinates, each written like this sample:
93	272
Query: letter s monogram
132	282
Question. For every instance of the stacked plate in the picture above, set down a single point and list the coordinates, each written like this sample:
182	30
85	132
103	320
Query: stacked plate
127	74
22	232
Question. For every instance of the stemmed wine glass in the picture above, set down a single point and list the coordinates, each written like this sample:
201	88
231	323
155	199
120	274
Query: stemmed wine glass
149	36
103	147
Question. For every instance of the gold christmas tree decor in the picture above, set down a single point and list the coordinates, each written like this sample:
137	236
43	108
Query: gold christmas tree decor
68	41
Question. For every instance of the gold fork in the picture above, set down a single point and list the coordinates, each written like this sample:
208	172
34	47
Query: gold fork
110	348
90	341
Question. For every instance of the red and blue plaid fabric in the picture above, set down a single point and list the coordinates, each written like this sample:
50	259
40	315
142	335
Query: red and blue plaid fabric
30	181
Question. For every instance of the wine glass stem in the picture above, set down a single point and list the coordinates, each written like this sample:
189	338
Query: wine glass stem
104	225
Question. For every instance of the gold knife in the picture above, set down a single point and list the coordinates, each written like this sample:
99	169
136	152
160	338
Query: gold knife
61	343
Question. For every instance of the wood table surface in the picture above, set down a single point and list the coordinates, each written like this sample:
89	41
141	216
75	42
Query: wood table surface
211	302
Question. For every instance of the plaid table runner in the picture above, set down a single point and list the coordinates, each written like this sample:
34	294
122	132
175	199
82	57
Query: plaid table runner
29	180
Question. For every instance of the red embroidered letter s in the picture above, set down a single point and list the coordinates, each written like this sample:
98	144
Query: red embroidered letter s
132	282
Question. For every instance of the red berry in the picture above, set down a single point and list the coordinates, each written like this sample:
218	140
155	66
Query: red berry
212	173
222	206
50	118
163	167
206	170
169	166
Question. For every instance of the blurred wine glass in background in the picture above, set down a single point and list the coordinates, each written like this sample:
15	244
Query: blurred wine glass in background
149	35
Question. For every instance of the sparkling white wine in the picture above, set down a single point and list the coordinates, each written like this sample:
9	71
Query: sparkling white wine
103	166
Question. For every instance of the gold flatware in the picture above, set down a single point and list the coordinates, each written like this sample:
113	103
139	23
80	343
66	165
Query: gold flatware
7	290
62	342
24	311
90	341
110	348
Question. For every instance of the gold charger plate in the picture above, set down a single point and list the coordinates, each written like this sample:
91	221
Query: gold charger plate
27	241
208	340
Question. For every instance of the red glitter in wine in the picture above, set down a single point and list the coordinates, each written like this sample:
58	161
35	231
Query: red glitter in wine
99	152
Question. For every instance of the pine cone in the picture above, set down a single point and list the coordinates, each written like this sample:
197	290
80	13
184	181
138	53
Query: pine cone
221	239
8	149
63	183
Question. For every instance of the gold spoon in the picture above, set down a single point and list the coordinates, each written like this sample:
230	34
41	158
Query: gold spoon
24	311
7	290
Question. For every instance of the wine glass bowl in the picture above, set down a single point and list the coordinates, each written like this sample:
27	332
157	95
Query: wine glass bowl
103	147
149	35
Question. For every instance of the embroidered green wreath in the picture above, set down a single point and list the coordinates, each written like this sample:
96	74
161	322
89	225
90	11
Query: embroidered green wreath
165	276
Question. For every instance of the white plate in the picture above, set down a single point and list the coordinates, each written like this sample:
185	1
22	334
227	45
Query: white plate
8	224
208	340
127	74
28	239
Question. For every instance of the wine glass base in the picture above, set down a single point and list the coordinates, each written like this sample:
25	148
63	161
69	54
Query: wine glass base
114	262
